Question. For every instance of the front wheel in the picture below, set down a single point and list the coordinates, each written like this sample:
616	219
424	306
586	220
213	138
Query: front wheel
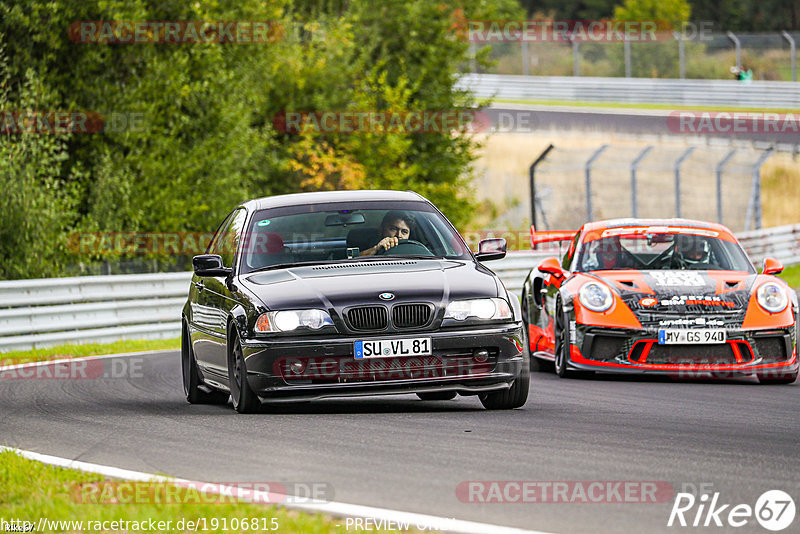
513	397
562	341
244	399
191	376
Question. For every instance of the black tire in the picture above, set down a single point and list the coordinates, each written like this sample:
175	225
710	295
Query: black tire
191	376
244	399
437	396
516	395
788	378
562	344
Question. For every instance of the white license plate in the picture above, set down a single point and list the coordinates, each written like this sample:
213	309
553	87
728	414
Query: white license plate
390	348
694	336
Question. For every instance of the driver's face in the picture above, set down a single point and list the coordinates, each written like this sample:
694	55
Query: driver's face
695	255
607	259
398	229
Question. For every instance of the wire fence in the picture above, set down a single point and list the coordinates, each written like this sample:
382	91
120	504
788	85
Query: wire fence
770	56
573	186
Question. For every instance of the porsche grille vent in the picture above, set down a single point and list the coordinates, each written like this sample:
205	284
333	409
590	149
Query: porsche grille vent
368	318
411	315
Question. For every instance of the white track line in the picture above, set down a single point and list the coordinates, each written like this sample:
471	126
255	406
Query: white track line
337	509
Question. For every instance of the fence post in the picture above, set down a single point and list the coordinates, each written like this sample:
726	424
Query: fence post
576	63
678	163
532	173
627	47
473	53
681	54
738	46
525	61
754	207
793	53
720	165
589	180
635	164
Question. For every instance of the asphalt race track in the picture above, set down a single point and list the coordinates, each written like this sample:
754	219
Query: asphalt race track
405	454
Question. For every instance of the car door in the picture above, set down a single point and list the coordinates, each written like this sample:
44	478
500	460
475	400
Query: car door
214	298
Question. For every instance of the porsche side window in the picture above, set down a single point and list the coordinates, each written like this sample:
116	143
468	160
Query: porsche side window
570	255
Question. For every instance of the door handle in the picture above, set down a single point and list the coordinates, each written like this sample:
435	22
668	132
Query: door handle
199	286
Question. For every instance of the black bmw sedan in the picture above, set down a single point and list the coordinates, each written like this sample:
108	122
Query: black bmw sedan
348	293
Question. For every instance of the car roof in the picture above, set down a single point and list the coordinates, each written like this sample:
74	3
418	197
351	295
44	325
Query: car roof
322	197
633	223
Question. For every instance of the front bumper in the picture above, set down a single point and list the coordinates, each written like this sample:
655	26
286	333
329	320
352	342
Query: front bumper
770	352
468	361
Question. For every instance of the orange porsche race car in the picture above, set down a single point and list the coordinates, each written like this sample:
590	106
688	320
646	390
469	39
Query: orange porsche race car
670	296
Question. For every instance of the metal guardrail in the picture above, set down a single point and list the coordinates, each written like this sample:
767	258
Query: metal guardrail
781	242
45	312
757	94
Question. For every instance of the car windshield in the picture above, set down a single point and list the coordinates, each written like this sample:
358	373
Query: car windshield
662	251
357	231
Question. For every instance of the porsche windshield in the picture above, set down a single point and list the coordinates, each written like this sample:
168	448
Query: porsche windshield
352	231
662	251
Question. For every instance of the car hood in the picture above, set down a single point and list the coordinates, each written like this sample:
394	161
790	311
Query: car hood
339	285
658	296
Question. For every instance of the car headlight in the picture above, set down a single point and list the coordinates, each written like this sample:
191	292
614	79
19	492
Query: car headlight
772	297
486	309
286	321
596	297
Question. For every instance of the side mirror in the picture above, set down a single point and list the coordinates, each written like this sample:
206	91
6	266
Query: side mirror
551	266
772	266
209	265
491	249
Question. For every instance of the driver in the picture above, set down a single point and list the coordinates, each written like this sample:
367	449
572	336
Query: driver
693	253
396	225
607	253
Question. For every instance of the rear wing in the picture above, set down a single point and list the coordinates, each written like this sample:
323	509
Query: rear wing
550	236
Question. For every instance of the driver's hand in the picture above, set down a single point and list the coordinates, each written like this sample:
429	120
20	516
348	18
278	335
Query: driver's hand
388	242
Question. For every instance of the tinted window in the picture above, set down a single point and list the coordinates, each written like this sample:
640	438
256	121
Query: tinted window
348	231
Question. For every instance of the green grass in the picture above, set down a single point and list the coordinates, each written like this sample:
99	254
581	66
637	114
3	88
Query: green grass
620	105
89	349
31	490
792	276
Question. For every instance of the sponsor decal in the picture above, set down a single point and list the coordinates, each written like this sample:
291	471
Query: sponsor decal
648	302
658	230
691	322
697	300
678	278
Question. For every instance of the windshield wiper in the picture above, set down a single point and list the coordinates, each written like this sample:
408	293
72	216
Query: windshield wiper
290	264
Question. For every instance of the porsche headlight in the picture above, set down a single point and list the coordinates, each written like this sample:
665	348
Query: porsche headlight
772	297
286	321
596	297
487	309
